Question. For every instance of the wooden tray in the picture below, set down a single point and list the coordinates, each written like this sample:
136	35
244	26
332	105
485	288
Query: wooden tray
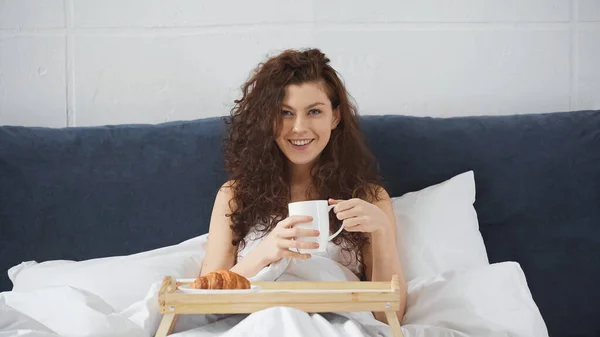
305	296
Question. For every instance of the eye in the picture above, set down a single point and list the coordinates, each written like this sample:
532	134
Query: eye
286	113
314	112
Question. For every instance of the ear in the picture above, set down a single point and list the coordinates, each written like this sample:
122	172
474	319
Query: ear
336	118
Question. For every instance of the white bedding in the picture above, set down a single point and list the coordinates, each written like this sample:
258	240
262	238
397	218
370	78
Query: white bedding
492	300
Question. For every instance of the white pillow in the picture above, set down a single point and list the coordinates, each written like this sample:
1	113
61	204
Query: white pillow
493	300
121	280
437	228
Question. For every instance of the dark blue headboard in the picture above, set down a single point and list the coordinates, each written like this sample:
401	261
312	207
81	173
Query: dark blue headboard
81	193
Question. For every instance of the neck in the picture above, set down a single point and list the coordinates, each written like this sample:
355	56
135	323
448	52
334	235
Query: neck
299	181
300	174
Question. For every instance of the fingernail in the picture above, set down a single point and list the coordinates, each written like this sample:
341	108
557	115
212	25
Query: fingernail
317	232
316	245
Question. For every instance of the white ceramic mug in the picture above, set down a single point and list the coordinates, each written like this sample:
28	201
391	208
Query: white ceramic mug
319	211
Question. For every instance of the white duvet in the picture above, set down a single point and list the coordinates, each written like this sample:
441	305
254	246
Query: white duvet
117	297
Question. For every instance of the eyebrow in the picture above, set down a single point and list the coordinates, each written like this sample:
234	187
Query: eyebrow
308	107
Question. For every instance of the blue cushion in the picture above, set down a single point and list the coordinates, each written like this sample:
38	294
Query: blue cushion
537	196
81	193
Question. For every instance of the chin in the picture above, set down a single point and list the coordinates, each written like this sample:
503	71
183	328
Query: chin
302	161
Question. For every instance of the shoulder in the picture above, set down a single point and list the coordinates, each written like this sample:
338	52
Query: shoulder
385	204
383	200
226	190
225	194
379	194
227	187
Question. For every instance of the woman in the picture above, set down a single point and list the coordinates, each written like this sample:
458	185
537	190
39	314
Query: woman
294	136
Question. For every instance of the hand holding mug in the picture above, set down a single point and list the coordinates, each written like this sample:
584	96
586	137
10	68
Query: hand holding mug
283	237
358	215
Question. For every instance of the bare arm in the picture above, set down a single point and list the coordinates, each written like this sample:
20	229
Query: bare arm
220	253
381	255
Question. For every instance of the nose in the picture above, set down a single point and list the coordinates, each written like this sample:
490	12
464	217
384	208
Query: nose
299	124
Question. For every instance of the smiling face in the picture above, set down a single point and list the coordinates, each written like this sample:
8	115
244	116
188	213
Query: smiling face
307	119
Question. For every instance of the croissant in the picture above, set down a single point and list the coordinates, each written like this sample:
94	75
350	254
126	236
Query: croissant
221	279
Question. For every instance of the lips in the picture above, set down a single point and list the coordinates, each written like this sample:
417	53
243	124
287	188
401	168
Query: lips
300	142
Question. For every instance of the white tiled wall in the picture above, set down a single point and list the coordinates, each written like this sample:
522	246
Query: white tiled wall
95	62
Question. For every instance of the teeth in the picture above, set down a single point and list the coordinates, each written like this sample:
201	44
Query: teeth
301	142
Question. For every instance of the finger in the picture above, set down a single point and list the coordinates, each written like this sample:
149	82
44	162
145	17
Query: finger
357	228
295	255
350	213
345	205
293	220
334	201
297	232
350	224
287	244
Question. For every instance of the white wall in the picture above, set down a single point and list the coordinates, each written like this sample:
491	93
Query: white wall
94	62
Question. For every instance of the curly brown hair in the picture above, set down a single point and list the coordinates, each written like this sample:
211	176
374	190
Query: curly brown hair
257	167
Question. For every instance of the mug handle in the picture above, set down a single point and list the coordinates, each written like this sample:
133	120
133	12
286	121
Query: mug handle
331	237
